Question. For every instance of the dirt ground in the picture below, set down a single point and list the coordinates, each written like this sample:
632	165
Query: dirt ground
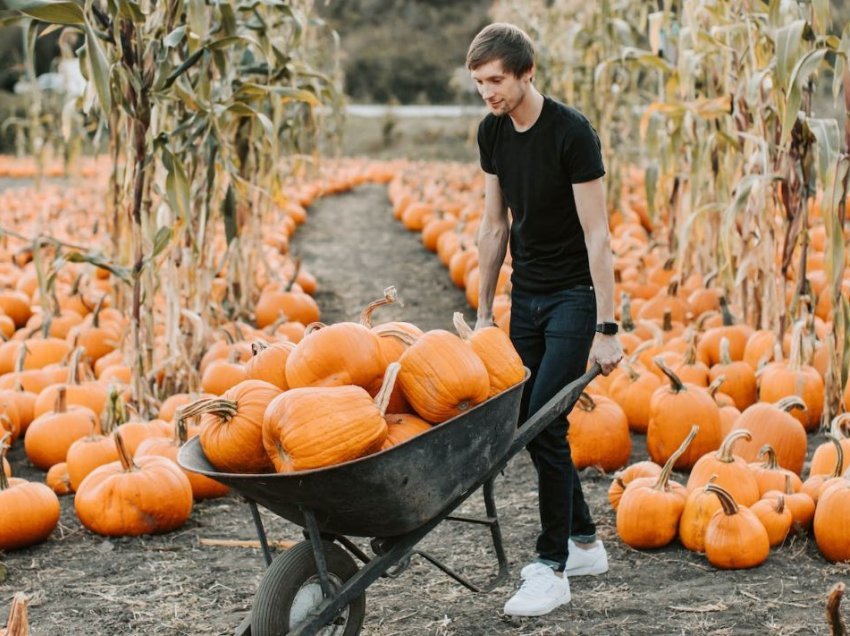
83	584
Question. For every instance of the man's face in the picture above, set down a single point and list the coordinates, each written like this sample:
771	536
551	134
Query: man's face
501	91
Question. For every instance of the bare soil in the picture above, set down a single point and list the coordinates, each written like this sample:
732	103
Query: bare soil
85	584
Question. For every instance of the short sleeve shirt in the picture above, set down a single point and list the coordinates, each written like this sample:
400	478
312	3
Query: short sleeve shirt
536	170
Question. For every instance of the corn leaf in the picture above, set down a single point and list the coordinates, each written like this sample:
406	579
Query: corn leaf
69	13
99	69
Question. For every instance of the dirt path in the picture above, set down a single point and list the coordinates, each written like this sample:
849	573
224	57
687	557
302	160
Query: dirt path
84	584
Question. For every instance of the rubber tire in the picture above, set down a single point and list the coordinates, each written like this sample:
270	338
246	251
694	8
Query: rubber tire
285	576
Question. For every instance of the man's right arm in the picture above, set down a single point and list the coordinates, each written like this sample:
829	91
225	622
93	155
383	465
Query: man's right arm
492	247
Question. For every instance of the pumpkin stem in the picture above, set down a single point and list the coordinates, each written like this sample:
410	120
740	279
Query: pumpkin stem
626	320
770	461
390	296
4	447
382	399
123	455
730	507
463	329
282	319
725	357
95	316
789	490
406	338
61	404
791	402
703	318
74	366
840	425
667	321
833	613
116	413
257	346
780	504
676	384
181	428
296	269
795	358
664	477
226	409
585	402
715	386
313	326
634	376
725	452
839	455
21	358
690	356
728	318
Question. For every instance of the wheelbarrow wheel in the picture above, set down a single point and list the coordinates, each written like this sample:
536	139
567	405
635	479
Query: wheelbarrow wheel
291	588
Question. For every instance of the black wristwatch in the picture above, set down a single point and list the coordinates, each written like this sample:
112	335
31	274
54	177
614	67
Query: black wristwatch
607	328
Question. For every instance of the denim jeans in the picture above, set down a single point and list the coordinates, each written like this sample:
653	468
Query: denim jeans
553	334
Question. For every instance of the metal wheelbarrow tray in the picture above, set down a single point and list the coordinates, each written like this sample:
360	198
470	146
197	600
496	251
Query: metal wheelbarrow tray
396	497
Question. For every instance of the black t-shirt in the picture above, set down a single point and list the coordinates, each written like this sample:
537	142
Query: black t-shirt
536	170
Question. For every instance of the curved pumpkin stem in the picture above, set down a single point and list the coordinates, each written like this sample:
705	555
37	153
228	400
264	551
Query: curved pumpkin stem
313	326
840	426
839	455
21	358
463	329
705	317
296	269
123	455
181	430
585	402
664	477
725	452
406	338
690	356
390	296
282	319
382	399
715	386
257	346
226	409
730	507
74	366
4	447
61	404
790	403
95	315
769	453
676	384
116	412
630	370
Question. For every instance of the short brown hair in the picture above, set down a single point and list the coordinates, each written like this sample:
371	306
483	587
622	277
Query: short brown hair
504	42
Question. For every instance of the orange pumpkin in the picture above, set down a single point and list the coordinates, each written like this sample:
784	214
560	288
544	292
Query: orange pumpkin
598	433
402	427
801	505
771	424
649	510
30	510
496	351
731	472
775	516
129	498
823	460
624	477
232	427
740	381
735	537
269	363
700	507
57	479
832	522
50	435
770	475
441	376
673	409
314	427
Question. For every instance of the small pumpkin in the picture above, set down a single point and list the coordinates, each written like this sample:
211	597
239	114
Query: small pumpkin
632	391
269	363
149	495
740	379
30	511
731	472
735	537
50	435
815	485
770	475
624	477
700	507
823	460
649	510
402	427
57	479
776	518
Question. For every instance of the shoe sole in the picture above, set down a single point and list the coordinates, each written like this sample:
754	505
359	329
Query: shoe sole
542	612
586	571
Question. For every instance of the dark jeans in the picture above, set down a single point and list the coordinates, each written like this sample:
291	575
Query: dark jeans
552	334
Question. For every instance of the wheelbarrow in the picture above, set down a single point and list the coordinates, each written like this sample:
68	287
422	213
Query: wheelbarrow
395	497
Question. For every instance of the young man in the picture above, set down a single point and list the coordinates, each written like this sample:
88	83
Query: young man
542	160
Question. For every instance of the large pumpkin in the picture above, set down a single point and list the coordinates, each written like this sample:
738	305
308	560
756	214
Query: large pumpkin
730	471
129	498
832	522
771	424
735	537
314	427
441	376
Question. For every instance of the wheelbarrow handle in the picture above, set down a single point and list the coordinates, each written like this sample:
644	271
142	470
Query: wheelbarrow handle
560	405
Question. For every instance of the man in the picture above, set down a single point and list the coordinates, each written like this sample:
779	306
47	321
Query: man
542	160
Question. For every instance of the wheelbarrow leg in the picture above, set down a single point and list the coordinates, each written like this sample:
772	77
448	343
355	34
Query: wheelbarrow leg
318	551
261	531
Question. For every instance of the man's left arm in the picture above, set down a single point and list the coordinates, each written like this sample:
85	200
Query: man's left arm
590	204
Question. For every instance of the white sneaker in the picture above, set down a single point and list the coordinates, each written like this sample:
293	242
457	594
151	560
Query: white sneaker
542	591
582	562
